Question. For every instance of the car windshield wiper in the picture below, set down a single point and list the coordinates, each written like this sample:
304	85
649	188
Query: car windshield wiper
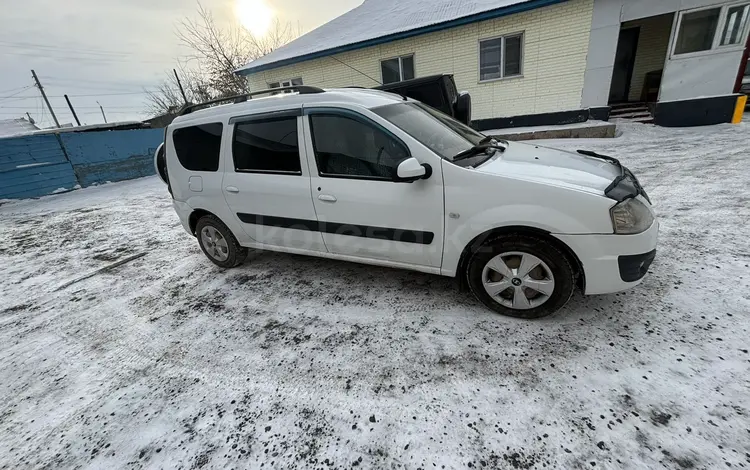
476	150
488	139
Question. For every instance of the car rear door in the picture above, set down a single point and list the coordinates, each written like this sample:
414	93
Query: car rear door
362	212
267	180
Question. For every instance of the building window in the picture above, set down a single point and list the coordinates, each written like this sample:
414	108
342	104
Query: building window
735	25
712	28
285	83
198	147
697	31
267	146
500	57
397	69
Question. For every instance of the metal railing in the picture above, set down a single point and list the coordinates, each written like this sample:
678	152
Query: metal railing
301	89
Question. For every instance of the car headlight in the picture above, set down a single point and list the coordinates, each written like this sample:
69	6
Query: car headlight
631	217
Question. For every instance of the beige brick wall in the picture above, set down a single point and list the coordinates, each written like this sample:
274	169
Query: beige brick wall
653	44
554	60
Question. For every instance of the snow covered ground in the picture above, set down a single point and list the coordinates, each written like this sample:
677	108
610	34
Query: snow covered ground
295	362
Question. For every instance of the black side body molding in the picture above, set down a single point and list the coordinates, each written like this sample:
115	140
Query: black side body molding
361	231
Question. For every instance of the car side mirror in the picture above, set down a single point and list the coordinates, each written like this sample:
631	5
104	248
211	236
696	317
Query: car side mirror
411	170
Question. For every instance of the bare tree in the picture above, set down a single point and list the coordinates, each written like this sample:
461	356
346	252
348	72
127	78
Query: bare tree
216	53
167	98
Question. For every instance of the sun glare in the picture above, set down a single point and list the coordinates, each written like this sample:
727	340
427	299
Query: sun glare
254	15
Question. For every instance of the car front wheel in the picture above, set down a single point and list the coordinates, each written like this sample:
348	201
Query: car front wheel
521	276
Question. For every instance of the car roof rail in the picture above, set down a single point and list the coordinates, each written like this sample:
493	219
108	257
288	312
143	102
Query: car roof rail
301	89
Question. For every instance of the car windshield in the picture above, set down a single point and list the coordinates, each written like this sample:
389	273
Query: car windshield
438	132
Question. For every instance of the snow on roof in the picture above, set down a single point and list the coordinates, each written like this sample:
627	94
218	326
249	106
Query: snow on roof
112	126
10	127
379	21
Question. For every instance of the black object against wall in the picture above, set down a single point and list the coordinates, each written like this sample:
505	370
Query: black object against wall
696	112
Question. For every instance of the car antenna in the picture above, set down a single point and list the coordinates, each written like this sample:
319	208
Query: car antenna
358	71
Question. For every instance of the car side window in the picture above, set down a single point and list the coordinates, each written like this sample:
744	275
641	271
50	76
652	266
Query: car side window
198	147
346	147
267	146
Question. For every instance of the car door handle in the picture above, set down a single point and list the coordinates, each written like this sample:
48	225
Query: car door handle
232	189
327	198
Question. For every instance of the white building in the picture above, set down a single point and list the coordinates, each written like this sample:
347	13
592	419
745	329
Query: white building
534	61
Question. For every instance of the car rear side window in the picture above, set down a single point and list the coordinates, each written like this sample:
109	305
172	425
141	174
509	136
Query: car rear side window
267	146
198	147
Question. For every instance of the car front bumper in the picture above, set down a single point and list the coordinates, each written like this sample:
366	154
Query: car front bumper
614	263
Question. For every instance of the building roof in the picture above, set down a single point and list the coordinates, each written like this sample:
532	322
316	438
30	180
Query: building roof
380	21
112	126
10	127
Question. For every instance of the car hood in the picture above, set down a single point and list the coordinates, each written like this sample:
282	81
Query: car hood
554	167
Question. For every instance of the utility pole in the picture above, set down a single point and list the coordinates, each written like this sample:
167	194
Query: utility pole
44	95
72	110
180	85
100	107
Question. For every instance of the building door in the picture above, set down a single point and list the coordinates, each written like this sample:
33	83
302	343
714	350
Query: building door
627	46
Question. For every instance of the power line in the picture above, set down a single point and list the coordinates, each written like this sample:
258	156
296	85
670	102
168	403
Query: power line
145	92
83	87
31	45
84	80
20	98
18	93
103	60
80	107
13	89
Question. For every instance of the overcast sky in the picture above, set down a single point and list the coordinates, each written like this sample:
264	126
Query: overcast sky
112	49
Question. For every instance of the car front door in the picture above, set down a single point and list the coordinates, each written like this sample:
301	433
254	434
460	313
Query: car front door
362	211
267	181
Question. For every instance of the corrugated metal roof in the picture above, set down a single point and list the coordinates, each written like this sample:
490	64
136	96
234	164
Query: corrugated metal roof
379	21
10	127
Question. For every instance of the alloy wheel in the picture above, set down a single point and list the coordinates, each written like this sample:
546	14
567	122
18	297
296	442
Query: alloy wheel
518	280
214	243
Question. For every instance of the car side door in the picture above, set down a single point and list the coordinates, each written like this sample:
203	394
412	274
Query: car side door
362	210
267	181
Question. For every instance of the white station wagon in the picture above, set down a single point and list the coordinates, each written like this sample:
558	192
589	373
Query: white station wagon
372	177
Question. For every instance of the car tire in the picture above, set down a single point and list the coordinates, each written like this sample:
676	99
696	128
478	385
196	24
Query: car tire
521	276
219	243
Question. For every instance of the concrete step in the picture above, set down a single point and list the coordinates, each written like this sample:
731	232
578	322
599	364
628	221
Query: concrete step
634	115
584	130
622	111
628	105
643	120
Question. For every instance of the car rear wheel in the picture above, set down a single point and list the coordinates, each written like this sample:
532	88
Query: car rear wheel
521	276
218	243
